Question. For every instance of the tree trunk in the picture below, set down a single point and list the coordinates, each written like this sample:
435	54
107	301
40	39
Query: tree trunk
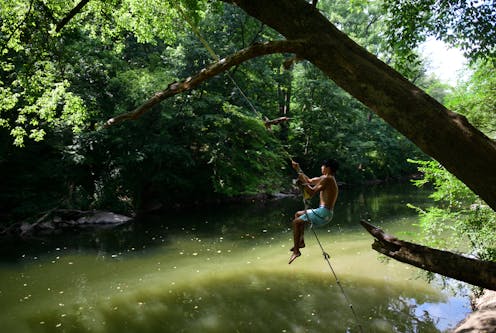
476	272
284	98
442	134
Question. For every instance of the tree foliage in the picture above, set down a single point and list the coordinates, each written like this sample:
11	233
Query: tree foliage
60	79
197	147
460	220
468	25
471	27
39	63
460	213
332	123
475	98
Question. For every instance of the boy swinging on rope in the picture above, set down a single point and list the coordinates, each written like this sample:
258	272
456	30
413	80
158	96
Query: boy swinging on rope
328	188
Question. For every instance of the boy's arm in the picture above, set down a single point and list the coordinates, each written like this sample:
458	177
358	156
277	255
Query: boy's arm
320	185
302	177
314	181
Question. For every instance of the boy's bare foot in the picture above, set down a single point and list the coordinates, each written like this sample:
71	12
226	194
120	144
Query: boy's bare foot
294	256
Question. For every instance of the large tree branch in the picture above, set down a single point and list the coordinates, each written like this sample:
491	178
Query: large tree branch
71	14
446	136
476	272
222	65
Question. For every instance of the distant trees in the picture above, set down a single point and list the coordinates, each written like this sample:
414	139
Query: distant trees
66	69
63	75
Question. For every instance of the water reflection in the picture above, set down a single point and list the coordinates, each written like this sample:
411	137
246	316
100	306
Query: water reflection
256	220
258	301
223	270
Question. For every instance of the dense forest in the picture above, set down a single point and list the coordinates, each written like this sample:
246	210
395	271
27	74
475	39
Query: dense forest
67	67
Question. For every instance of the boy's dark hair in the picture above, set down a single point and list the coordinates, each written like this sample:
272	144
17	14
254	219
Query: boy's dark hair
333	164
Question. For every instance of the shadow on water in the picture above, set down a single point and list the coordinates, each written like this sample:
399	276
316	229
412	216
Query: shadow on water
233	221
249	302
223	269
253	219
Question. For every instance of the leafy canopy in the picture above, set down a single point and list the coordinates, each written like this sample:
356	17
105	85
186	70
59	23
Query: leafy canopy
460	214
38	59
468	25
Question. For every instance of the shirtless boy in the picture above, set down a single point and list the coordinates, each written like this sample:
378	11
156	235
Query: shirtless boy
327	187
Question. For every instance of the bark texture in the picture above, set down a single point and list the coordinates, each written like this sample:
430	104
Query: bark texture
476	272
446	136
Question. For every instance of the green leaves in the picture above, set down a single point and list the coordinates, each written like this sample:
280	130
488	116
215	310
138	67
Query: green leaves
469	25
114	54
476	98
459	219
330	123
37	101
244	157
42	70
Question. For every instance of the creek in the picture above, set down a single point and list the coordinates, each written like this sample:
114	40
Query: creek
225	269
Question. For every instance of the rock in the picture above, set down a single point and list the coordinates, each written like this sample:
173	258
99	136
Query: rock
103	218
486	301
281	195
483	319
56	221
25	227
46	225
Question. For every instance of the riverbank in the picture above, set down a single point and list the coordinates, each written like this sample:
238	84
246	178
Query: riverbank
58	220
18	224
483	317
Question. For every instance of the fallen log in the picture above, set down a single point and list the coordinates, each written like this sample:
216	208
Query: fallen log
457	266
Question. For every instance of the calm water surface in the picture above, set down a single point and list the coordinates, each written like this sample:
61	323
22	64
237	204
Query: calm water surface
224	269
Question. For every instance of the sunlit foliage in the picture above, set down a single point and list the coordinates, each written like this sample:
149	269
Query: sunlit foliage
468	25
460	220
460	213
42	62
476	98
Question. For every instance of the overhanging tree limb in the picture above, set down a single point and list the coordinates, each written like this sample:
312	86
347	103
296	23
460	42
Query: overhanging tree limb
446	136
71	14
255	50
476	272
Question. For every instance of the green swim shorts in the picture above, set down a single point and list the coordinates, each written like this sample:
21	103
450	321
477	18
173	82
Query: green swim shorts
318	216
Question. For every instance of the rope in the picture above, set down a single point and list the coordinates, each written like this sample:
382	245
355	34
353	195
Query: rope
327	258
212	53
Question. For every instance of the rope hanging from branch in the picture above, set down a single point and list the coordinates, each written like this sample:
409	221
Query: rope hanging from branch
327	258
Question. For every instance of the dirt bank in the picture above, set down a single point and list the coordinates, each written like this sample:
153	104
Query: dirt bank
483	319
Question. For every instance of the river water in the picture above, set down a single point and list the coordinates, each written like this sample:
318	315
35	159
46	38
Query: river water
224	269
